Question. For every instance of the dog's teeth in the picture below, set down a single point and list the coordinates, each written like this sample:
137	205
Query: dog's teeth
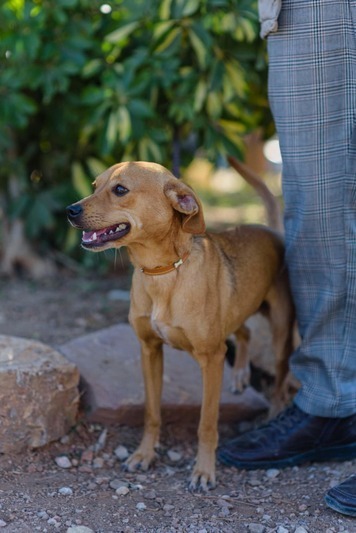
94	237
111	232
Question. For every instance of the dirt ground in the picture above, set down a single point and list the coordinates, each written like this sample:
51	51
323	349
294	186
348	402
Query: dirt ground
78	482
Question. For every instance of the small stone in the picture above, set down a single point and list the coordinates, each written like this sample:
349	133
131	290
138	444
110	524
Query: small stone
174	456
150	495
2	523
301	529
85	469
141	506
122	491
43	515
100	480
98	462
281	529
224	503
302	507
254	482
121	453
256	528
272	473
87	456
99	445
224	511
63	462
118	483
168	507
65	491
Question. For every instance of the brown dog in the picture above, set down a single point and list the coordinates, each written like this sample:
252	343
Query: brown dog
190	289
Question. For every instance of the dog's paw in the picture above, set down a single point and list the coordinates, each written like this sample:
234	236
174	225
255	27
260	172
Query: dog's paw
240	380
139	460
202	481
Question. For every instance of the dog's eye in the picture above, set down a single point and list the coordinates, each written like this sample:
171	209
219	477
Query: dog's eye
120	190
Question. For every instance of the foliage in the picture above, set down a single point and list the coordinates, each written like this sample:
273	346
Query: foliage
84	84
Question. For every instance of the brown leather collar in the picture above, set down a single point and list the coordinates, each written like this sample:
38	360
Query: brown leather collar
158	271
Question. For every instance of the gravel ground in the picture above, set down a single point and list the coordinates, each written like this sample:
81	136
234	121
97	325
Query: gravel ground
77	485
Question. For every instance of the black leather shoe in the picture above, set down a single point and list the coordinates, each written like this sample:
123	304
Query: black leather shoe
342	498
292	438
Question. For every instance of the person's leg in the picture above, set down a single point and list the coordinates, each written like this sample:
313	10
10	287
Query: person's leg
313	98
312	92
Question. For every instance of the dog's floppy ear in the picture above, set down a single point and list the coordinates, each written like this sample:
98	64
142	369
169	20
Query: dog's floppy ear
184	200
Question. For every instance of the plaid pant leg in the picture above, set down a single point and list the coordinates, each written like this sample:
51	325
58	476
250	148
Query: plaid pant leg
312	90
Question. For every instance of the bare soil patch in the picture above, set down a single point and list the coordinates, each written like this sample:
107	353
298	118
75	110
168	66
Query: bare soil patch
38	494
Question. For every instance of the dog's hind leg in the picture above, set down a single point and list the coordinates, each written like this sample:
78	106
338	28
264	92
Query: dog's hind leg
152	365
241	372
282	317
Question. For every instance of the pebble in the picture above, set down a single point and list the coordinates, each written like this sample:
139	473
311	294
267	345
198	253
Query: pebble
150	494
66	491
301	529
99	445
87	456
118	483
224	511
168	507
122	491
79	529
43	515
2	523
121	453
256	528
254	482
281	529
63	462
141	506
98	462
224	503
272	473
174	456
302	507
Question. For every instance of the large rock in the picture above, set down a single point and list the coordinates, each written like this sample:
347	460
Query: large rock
110	368
38	394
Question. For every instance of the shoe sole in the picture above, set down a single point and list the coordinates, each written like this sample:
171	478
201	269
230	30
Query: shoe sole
338	453
336	506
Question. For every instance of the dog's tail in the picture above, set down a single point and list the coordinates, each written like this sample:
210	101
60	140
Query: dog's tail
271	203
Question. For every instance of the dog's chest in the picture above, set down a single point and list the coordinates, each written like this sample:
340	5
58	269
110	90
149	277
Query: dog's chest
173	335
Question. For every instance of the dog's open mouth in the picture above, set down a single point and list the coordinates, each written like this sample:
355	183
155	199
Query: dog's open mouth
99	237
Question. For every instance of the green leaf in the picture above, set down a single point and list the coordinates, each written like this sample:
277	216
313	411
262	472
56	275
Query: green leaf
199	48
168	40
80	180
200	95
121	33
165	9
123	123
190	7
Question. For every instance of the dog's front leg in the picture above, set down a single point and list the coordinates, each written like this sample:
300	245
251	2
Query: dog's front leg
152	366
212	367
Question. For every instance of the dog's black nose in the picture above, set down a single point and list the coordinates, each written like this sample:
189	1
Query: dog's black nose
74	211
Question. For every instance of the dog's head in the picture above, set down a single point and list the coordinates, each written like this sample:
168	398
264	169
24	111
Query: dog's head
133	202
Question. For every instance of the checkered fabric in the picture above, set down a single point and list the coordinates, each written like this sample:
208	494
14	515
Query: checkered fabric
312	88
